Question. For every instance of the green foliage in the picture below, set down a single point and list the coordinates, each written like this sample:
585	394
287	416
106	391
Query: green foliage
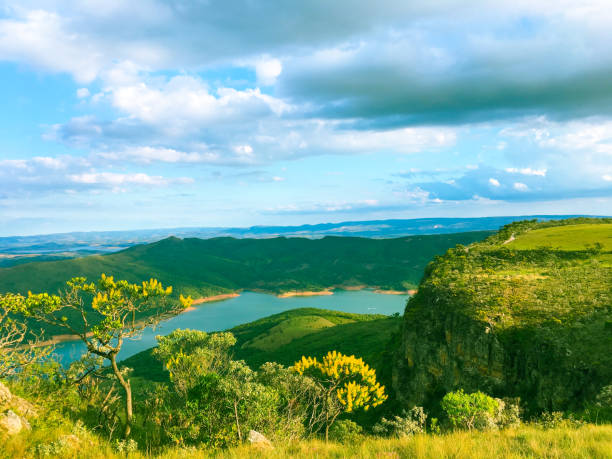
188	354
469	411
551	419
125	446
604	398
557	419
215	400
115	307
346	384
208	267
407	424
547	306
345	431
365	335
19	348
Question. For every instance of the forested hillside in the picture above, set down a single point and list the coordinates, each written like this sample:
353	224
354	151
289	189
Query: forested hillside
527	312
207	267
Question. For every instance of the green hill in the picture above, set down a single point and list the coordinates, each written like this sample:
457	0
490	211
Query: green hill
527	312
205	267
286	337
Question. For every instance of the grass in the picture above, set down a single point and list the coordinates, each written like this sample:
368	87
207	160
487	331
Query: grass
589	441
574	237
545	297
524	442
286	337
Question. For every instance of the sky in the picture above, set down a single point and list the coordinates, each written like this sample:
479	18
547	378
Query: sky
172	113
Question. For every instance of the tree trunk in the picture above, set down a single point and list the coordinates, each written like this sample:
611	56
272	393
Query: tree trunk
128	395
326	424
237	422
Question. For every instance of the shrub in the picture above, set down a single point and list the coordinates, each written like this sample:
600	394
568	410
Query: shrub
555	419
345	431
604	398
346	384
468	411
409	423
509	413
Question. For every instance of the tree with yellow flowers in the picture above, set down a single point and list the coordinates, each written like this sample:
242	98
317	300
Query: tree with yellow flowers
103	314
346	384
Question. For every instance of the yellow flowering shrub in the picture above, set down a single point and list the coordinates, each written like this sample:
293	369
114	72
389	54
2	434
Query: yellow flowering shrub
347	382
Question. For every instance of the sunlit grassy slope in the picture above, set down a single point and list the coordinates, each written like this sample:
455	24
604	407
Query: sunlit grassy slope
285	337
574	237
525	442
546	297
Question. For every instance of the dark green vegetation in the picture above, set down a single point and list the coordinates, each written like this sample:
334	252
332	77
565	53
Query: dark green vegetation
205	267
527	312
6	261
286	337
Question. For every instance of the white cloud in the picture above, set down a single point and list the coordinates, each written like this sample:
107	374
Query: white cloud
323	207
244	150
115	180
518	186
111	178
593	134
267	71
82	93
146	154
49	162
185	103
527	171
43	39
607	178
494	182
45	176
405	140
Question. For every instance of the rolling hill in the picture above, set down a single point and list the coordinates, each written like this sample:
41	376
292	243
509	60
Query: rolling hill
286	337
206	267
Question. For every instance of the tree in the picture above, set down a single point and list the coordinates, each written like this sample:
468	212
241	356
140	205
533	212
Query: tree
214	399
469	410
103	315
189	354
347	383
19	347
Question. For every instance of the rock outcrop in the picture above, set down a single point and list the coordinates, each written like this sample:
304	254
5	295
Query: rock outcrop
258	440
14	412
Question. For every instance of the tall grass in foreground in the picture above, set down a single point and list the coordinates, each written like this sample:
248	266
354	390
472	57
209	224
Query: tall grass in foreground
589	441
585	442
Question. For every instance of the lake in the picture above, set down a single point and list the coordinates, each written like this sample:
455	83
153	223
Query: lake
249	306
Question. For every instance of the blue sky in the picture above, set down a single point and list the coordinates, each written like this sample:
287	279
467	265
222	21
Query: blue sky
126	115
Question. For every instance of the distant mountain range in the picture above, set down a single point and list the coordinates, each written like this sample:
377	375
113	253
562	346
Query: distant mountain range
17	249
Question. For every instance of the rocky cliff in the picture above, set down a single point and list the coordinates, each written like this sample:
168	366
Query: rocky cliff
532	322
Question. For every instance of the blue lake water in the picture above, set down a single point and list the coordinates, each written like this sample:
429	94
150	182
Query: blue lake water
249	306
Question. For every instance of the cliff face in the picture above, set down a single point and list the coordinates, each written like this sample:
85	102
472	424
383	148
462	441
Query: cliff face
542	335
441	351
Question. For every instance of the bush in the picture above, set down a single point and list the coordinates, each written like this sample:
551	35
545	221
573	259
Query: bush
604	398
409	423
471	411
345	431
555	419
509	413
